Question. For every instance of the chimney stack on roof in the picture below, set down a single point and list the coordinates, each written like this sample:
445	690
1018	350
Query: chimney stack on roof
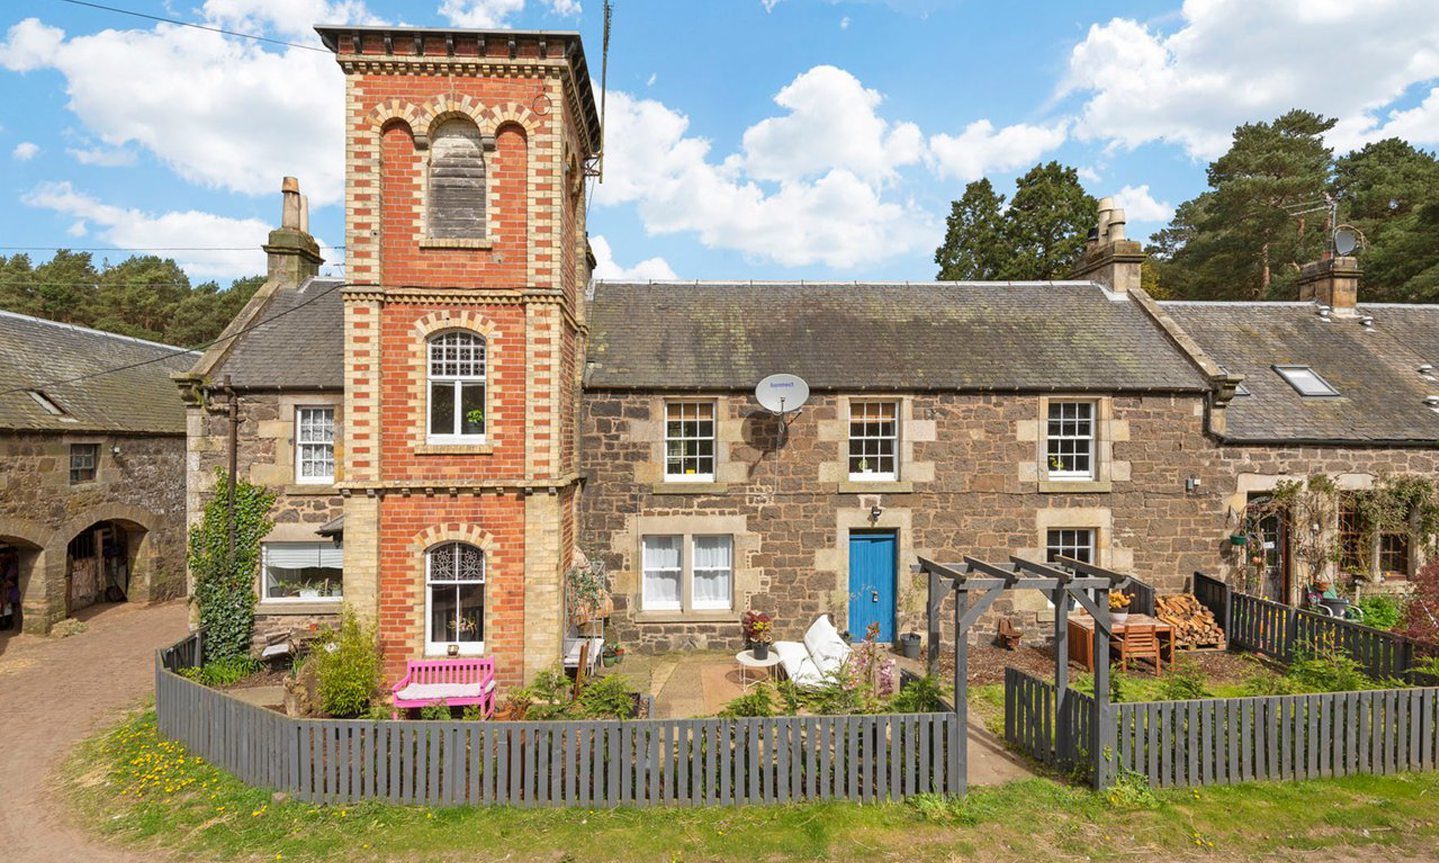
293	254
1332	282
1109	258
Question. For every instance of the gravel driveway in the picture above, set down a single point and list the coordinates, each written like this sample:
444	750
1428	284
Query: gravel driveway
53	694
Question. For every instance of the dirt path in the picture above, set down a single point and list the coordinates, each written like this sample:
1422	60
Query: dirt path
56	692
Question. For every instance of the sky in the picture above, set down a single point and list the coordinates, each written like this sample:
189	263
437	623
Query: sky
745	139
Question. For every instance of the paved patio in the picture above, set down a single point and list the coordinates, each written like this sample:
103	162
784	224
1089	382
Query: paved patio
701	683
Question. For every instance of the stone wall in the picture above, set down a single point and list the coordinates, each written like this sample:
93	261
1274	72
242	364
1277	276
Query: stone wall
971	481
135	487
267	457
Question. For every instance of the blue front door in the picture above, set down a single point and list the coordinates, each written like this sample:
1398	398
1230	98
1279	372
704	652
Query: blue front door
872	562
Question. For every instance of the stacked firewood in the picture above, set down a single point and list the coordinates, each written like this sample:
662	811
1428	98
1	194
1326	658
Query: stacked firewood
1194	625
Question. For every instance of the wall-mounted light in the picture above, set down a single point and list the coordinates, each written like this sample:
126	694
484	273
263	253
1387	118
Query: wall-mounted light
874	513
1191	484
114	450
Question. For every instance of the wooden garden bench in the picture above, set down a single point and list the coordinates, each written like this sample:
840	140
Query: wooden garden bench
451	682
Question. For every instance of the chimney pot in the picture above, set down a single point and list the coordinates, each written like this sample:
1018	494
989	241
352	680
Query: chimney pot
305	213
290	208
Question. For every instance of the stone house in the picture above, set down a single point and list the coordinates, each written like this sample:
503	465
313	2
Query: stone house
469	413
92	441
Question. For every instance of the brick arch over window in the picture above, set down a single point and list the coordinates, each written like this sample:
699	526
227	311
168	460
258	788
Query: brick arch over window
457	182
439	534
394	112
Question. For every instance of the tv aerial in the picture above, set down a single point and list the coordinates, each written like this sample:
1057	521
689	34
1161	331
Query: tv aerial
782	395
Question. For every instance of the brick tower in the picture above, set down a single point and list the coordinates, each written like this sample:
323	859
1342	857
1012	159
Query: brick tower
465	156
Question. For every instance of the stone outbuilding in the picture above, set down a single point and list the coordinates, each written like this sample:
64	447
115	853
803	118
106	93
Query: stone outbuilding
92	450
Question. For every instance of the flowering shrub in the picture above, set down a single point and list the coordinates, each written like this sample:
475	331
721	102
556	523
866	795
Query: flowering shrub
758	628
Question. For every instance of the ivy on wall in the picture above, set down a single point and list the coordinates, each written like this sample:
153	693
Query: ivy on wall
225	588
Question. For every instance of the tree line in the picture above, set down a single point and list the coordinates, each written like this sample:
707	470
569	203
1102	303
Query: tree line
143	296
1265	213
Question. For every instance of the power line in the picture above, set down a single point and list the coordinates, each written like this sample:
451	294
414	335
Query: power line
204	27
140	248
178	352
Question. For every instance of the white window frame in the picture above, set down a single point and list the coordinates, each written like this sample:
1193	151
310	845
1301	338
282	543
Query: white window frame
695	603
1092	439
302	446
687	603
466	648
713	438
265	597
456	383
855	417
1062	547
646	602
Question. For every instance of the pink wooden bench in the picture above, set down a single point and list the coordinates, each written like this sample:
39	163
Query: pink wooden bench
452	682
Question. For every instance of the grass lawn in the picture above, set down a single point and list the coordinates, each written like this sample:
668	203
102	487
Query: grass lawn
144	790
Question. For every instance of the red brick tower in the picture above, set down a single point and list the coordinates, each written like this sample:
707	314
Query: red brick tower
464	323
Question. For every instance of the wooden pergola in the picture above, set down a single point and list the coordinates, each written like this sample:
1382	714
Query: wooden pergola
976	585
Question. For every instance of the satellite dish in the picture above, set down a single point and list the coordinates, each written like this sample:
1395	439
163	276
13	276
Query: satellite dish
782	393
1346	240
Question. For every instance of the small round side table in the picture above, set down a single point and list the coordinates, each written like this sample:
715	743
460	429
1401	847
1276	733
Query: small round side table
747	661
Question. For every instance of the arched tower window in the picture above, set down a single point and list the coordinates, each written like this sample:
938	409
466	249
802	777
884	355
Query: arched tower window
456	379
457	182
454	597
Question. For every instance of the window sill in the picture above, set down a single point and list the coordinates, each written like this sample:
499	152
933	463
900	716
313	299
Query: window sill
1075	486
455	243
875	486
684	487
454	449
312	489
303	607
706	616
442	651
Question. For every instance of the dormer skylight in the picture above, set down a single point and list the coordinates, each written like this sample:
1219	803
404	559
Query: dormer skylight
1306	381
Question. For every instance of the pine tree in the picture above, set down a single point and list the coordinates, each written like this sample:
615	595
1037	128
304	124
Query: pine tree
973	248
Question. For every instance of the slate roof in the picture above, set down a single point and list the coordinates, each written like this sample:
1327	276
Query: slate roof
36	354
1037	336
297	341
1381	393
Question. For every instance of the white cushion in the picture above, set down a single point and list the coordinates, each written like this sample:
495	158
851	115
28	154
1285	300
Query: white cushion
825	646
791	654
436	691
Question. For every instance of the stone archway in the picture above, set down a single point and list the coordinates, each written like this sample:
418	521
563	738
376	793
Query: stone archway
23	554
129	537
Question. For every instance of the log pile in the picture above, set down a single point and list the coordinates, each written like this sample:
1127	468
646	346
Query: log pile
1194	625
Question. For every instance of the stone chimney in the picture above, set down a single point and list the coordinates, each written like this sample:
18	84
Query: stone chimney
293	254
1333	282
1108	257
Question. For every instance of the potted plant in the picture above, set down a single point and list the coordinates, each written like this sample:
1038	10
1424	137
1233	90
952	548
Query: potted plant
759	632
1119	606
611	655
309	590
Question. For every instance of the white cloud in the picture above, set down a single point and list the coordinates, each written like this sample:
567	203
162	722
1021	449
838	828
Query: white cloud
25	151
221	113
844	23
1237	61
981	149
657	269
496	13
1140	206
1419	125
831	124
290	18
105	157
827	207
650	81
78	229
130	228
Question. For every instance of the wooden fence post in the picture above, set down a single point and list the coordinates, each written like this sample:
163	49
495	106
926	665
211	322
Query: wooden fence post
1291	632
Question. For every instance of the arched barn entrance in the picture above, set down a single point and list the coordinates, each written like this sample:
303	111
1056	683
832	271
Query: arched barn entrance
19	560
99	563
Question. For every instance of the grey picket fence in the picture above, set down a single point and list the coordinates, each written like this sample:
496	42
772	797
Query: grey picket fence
584	764
1280	631
1036	726
1222	741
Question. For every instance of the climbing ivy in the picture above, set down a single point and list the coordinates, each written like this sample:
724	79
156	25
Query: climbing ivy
1402	503
225	589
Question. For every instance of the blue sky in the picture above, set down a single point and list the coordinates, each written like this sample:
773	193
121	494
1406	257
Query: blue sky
814	139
